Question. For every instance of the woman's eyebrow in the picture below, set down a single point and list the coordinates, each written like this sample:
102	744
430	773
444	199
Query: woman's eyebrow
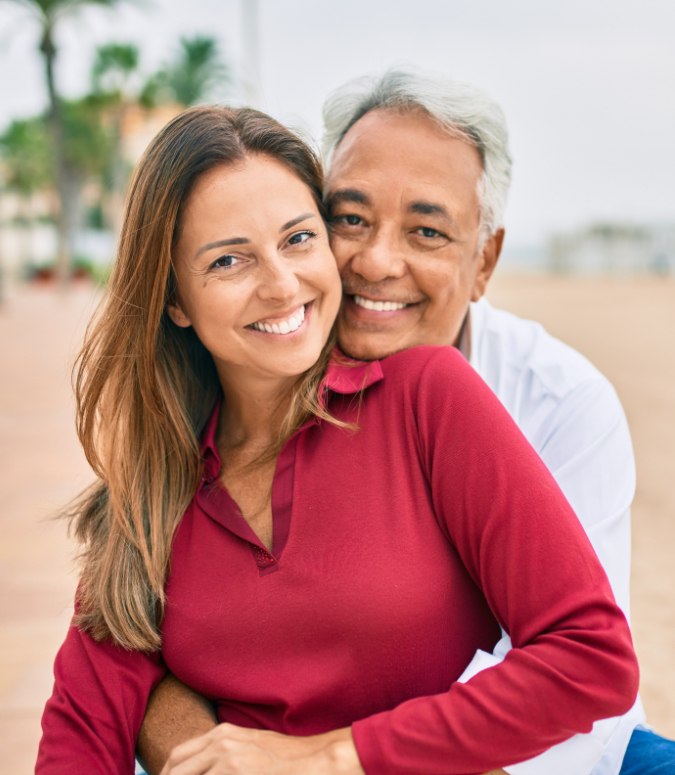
295	221
221	243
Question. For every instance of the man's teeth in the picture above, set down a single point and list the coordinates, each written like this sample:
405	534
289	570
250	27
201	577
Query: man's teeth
285	326
378	306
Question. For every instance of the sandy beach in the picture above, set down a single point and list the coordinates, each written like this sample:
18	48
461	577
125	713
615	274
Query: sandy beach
624	325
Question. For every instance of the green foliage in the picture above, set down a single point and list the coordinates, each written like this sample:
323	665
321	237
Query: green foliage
82	267
114	67
88	146
196	74
94	217
26	156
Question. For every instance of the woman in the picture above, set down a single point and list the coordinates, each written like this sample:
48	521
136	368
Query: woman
318	546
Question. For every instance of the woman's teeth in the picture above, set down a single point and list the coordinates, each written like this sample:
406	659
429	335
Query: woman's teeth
285	326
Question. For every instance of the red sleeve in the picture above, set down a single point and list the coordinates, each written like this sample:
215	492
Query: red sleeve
572	661
91	721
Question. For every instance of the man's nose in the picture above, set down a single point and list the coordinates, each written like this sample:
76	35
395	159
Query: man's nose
379	258
279	281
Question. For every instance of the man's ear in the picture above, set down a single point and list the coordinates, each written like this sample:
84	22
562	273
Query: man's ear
176	313
488	261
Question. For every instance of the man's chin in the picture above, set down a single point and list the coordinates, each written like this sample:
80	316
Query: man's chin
364	347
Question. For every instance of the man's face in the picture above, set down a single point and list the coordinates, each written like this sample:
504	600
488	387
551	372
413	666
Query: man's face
404	214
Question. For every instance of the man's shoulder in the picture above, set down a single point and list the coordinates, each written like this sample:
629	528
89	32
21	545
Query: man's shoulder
511	352
544	384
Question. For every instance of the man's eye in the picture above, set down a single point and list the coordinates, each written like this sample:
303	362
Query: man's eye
428	232
347	220
301	236
224	262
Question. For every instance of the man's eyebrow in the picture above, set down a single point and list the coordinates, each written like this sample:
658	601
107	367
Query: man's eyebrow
421	207
350	195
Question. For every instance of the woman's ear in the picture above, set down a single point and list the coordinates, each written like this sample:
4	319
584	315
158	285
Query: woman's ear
177	315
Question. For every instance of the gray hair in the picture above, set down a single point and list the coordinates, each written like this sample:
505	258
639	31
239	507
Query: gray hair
460	109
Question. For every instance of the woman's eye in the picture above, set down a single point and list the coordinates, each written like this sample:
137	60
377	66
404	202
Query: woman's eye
224	262
301	236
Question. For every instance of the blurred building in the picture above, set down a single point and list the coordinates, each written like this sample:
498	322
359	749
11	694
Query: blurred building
616	248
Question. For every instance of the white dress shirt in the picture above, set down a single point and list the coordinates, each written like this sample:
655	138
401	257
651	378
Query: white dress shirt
571	415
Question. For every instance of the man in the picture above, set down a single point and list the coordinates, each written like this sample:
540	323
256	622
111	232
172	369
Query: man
418	177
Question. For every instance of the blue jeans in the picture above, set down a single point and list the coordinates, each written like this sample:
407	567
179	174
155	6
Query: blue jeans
649	754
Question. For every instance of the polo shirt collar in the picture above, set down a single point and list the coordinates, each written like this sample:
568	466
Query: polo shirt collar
347	376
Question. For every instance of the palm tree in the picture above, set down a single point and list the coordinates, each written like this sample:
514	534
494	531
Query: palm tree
48	15
197	73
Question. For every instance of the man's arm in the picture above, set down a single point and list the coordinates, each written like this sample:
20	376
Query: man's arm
174	715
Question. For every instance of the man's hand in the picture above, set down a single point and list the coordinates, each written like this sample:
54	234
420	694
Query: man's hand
232	750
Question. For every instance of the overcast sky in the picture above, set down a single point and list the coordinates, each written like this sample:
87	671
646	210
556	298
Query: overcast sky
588	86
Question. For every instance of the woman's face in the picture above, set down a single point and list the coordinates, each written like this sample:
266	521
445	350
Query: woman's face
256	278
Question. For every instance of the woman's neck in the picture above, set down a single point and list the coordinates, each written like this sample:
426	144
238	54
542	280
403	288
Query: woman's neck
253	413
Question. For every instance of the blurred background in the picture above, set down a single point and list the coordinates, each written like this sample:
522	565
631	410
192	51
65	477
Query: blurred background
589	94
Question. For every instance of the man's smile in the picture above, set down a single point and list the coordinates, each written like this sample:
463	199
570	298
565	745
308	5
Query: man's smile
378	305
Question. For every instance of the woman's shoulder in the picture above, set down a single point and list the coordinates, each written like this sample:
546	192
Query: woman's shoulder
427	363
439	381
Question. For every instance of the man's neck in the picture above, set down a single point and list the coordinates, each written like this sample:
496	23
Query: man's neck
464	339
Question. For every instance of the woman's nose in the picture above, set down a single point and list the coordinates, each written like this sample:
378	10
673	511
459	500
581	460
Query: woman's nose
279	281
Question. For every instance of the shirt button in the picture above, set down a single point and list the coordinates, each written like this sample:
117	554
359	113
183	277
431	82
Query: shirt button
264	558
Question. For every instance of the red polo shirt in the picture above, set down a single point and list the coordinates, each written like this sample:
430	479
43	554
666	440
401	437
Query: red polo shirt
397	550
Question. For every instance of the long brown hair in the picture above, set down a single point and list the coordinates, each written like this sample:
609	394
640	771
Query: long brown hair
145	387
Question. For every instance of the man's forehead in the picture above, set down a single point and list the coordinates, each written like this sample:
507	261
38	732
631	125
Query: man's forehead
406	156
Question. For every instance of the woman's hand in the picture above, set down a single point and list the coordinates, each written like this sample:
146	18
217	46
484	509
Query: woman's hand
233	750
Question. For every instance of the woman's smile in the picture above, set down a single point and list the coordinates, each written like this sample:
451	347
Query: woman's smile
283	324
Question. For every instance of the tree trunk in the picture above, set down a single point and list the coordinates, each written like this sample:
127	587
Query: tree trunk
64	216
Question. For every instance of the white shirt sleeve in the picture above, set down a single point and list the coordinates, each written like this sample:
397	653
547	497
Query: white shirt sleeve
589	452
582	436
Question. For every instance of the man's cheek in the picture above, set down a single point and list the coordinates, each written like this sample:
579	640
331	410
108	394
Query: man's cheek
340	250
